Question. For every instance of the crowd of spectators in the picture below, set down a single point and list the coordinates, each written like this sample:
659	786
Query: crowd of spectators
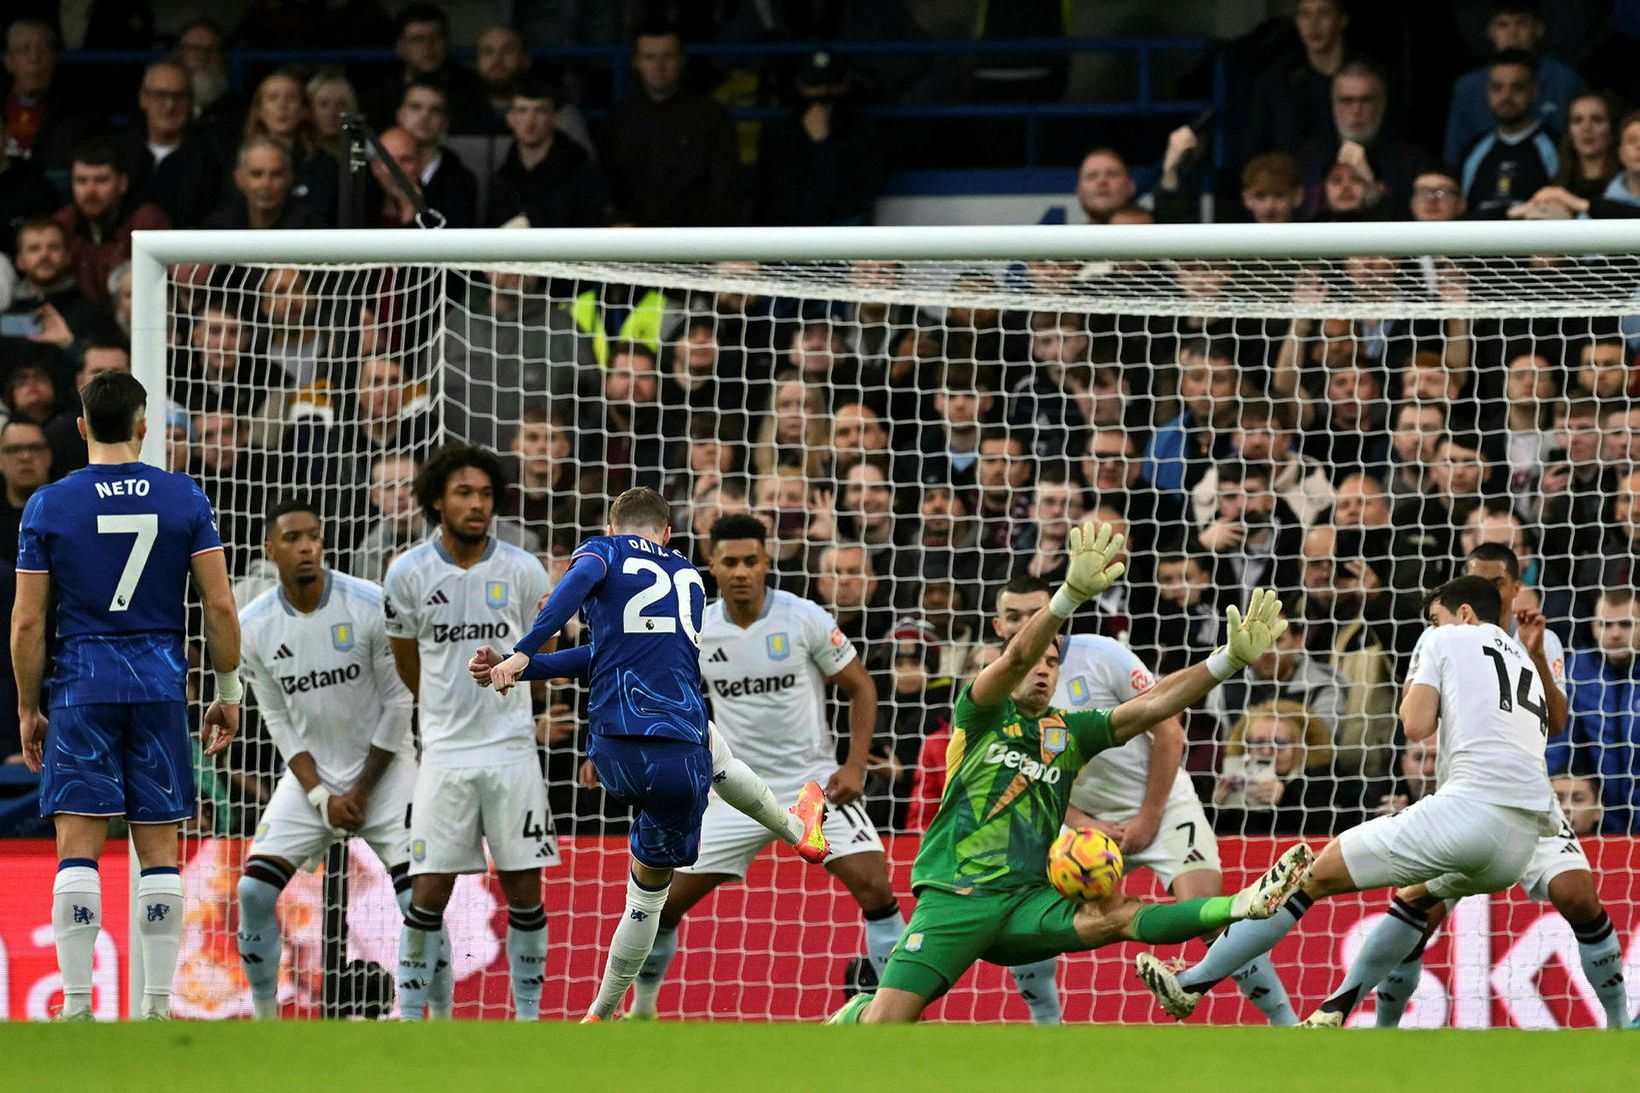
907	460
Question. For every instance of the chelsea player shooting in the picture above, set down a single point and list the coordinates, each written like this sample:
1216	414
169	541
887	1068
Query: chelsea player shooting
117	540
650	741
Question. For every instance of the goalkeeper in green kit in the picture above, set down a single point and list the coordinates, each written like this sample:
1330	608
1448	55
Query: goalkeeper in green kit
981	877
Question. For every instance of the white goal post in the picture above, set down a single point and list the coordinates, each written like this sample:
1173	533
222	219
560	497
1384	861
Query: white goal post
1481	293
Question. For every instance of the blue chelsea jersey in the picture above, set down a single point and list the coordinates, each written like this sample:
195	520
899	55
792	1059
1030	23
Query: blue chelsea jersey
118	541
645	615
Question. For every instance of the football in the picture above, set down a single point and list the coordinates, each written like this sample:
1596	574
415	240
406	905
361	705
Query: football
1084	865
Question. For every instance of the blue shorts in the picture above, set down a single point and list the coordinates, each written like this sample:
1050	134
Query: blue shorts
112	759
667	781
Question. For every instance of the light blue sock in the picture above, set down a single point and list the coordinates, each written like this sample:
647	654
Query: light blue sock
418	951
260	945
1260	984
1395	990
1038	986
646	989
527	959
441	990
882	934
1398	933
1241	943
1602	959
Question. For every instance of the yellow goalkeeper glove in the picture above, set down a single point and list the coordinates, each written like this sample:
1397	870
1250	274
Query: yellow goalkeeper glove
1250	636
1093	567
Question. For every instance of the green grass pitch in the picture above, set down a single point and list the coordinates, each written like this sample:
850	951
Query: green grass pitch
480	1057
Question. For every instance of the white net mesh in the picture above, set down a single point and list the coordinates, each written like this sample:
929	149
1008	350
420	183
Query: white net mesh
914	435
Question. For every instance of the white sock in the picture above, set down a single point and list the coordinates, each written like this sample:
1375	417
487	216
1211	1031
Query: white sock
1038	986
1602	959
738	785
418	951
1396	934
630	947
260	945
882	934
76	917
1260	985
159	934
646	989
527	959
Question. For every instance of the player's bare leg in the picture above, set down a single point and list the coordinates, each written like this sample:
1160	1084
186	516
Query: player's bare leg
76	907
526	940
159	914
1257	980
260	945
425	980
1574	896
687	890
866	878
646	892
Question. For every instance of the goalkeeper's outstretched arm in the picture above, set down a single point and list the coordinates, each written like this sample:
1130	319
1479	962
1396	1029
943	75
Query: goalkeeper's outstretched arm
1093	568
1249	637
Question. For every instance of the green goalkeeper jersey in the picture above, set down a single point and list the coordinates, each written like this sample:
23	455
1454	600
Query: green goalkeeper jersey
1007	781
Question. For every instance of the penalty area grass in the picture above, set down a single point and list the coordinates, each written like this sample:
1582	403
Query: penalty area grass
668	1057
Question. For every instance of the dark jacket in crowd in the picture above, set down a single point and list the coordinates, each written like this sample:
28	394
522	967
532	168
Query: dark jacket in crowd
673	163
564	190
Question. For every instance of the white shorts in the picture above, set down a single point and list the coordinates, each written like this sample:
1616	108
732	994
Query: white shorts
291	828
1555	854
1184	843
1455	846
729	839
458	810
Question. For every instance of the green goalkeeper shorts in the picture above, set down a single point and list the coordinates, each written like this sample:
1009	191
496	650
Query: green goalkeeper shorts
948	932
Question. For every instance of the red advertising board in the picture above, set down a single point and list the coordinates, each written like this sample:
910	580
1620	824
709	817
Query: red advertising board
776	948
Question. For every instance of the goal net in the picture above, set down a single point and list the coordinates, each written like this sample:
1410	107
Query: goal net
914	433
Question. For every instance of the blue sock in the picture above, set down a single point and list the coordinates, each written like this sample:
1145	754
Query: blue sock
527	959
260	945
441	991
418	952
1241	943
883	929
1602	959
1260	984
1396	934
1395	990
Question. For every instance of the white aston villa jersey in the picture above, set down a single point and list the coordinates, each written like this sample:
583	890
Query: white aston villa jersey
1491	731
1096	672
1553	651
450	612
767	683
325	682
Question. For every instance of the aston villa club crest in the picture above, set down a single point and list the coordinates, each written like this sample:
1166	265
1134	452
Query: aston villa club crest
495	593
780	646
1078	688
341	636
418	849
1054	739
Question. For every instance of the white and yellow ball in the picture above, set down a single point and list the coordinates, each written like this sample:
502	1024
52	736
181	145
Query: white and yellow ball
1084	865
